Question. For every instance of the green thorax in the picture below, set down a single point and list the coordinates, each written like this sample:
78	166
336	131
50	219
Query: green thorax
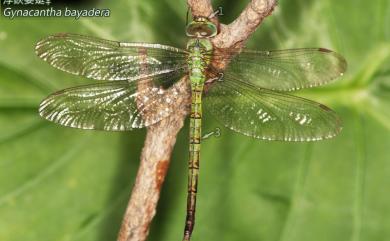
198	60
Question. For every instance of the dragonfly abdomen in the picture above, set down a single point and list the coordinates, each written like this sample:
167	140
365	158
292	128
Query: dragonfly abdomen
194	158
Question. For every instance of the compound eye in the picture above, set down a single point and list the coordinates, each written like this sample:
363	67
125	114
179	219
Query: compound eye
201	30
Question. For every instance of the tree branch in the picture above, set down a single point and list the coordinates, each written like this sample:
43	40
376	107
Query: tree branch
236	33
155	159
200	7
161	137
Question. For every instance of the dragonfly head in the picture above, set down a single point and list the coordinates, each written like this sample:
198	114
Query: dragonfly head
201	27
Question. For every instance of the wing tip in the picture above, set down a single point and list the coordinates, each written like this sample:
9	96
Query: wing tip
43	41
38	46
42	109
325	50
341	63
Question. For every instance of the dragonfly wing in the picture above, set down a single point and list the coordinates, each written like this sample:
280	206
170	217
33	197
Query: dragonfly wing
286	70
269	115
109	60
113	106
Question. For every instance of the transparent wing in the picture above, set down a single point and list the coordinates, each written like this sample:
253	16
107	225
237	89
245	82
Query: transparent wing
284	70
113	106
109	60
269	115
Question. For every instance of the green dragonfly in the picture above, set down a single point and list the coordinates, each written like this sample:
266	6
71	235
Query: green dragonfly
242	88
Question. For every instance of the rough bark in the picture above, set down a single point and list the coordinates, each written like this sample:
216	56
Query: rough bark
155	158
161	137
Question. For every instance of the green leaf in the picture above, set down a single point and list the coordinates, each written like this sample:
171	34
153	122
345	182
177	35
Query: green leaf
65	184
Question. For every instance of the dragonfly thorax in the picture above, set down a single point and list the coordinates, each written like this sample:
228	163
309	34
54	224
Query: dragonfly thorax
198	59
203	45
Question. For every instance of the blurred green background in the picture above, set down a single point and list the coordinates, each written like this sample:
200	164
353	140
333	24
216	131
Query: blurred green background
64	184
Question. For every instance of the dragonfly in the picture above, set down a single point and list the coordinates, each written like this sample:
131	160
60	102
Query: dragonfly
245	90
